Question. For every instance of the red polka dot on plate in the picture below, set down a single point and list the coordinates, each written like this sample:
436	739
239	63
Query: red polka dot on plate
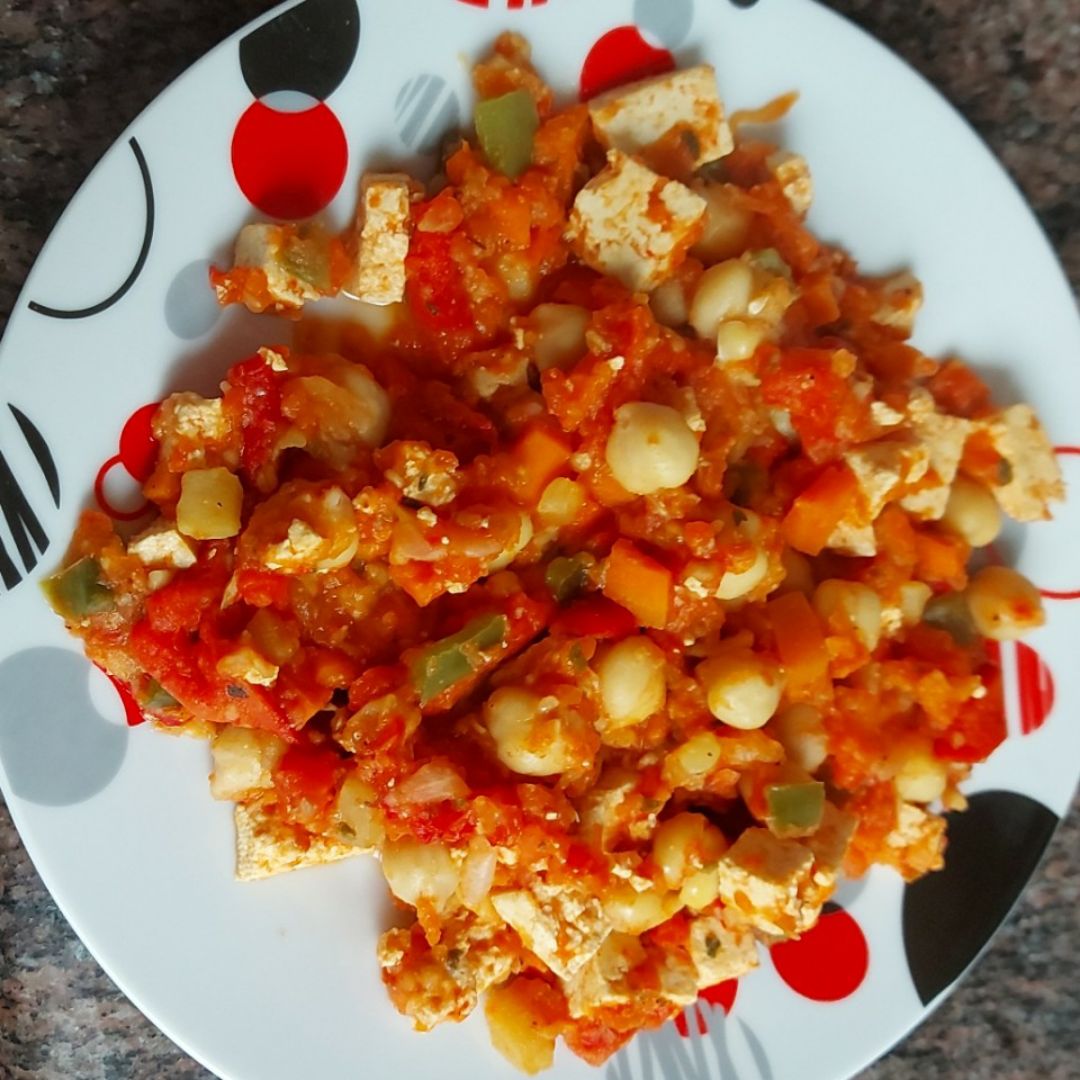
829	962
289	164
621	56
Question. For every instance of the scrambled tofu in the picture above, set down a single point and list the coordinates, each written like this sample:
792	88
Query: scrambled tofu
792	173
1031	479
917	842
633	224
562	925
262	247
882	470
902	297
163	547
632	118
944	438
719	951
266	845
383	229
435	983
763	881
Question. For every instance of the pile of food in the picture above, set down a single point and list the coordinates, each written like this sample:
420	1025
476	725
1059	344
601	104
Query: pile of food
605	571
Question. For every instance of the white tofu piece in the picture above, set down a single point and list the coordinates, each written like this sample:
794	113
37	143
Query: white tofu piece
884	415
562	925
944	437
918	840
383	229
631	118
903	296
198	418
633	224
792	173
719	951
266	846
260	246
881	469
603	982
1034	477
763	881
426	476
163	547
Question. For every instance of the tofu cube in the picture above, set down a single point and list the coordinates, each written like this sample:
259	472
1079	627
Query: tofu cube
720	952
564	927
1033	478
261	247
383	229
793	175
762	882
902	296
633	224
162	547
944	438
631	118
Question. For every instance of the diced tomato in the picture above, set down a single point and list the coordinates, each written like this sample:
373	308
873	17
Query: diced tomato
307	778
595	616
262	588
253	398
180	605
434	289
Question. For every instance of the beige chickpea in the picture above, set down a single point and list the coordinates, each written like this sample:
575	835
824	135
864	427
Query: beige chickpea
560	334
650	448
561	501
742	689
529	736
688	765
633	912
736	584
920	777
738	339
1004	605
800	731
850	605
684	845
914	596
632	685
416	871
724	292
669	303
972	513
727	224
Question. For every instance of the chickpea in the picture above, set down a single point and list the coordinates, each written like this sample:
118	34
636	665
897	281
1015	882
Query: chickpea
689	764
685	844
972	513
914	596
800	730
921	777
742	689
850	606
1004	605
632	685
416	871
738	339
560	334
529	737
736	584
727	224
633	912
669	303
650	448
724	292
561	501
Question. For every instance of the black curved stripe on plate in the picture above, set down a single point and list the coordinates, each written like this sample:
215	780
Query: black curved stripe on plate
23	524
309	48
42	454
140	262
994	846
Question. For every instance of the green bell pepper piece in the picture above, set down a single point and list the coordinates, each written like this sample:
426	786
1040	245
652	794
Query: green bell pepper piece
795	807
505	127
456	657
79	591
566	576
308	258
157	698
950	612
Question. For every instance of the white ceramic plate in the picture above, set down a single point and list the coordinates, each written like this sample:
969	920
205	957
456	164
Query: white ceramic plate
279	980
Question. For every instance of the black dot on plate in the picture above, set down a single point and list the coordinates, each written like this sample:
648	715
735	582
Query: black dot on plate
309	48
994	846
744	3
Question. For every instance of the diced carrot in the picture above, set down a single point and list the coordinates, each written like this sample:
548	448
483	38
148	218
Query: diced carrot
540	455
941	559
820	508
639	583
800	643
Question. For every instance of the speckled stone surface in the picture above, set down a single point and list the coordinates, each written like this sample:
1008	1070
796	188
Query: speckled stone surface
73	73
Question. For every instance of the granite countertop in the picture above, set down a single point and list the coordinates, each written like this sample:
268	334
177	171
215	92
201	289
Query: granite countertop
73	73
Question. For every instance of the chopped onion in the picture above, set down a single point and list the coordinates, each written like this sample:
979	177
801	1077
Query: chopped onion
433	782
477	872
